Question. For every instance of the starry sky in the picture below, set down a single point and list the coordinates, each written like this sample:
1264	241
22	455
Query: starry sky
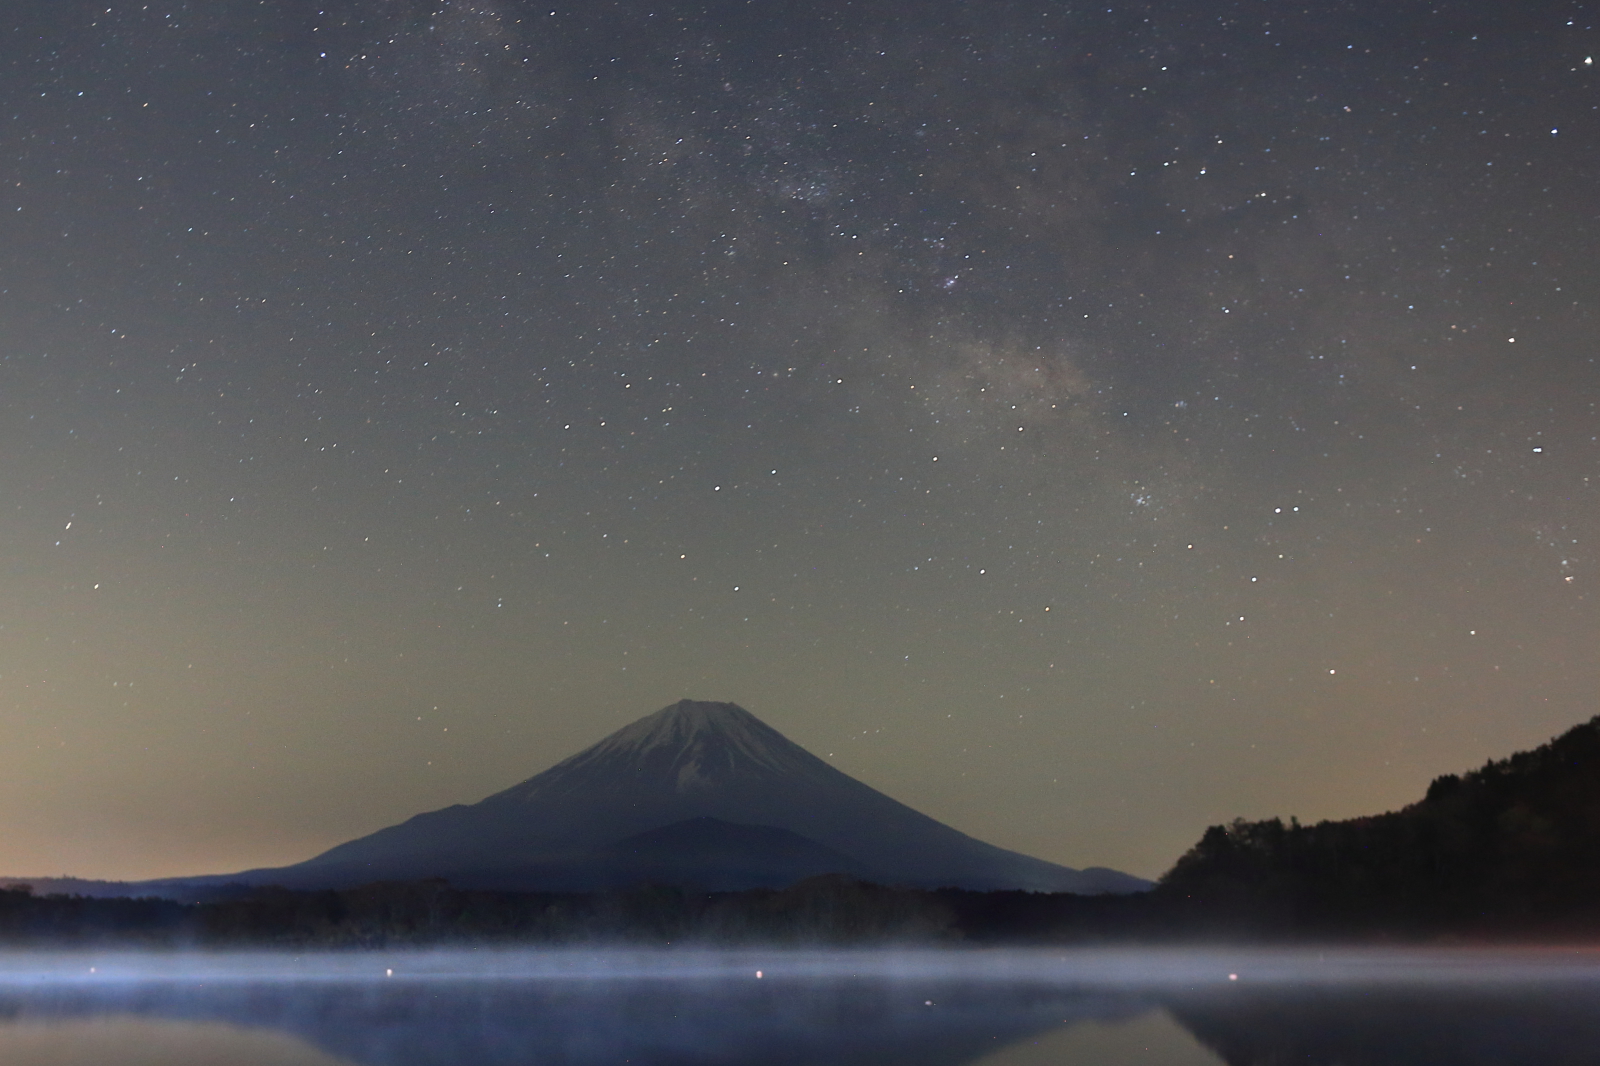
1085	422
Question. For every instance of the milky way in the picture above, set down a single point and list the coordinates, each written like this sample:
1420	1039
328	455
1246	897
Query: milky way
1084	423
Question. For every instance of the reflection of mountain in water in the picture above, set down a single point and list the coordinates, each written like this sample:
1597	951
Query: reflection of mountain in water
124	1041
846	1021
1400	1027
653	1022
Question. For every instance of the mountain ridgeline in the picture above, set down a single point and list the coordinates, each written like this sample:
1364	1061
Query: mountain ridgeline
1512	848
701	794
699	824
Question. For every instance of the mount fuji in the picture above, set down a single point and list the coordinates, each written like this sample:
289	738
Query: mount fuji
698	793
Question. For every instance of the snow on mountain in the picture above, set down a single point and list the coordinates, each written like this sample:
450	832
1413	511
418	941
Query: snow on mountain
689	761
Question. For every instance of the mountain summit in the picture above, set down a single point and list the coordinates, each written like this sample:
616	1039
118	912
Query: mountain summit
697	793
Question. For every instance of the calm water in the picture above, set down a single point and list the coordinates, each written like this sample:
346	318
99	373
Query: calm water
613	1007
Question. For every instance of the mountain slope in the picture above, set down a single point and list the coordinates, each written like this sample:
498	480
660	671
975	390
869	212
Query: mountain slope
1514	845
718	854
689	761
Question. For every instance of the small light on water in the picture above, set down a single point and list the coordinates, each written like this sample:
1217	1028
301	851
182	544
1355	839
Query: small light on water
758	975
388	973
1233	977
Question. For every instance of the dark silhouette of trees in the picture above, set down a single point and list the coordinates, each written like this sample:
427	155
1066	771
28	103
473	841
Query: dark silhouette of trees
819	910
72	920
1511	848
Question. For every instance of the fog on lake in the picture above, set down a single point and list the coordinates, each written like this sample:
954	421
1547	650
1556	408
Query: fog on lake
997	1008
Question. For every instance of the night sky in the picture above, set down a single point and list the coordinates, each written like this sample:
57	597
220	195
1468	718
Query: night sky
1083	422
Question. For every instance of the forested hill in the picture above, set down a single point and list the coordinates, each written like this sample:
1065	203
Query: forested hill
1511	848
1507	852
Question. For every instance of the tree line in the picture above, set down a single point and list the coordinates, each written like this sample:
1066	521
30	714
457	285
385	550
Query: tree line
1511	850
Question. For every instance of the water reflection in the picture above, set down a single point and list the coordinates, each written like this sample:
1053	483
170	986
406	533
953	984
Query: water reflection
1151	1038
122	1041
685	1021
1028	1009
1515	1026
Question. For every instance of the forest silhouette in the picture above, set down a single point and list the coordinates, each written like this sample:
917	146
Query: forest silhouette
1510	851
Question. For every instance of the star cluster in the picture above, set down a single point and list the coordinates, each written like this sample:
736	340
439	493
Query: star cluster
1083	423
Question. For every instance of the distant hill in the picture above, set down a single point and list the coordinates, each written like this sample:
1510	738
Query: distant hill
701	794
70	886
180	889
1511	847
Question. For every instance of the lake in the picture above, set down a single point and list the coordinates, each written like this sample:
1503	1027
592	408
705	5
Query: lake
781	1007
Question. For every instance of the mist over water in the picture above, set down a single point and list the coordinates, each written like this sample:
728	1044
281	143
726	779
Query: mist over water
999	1008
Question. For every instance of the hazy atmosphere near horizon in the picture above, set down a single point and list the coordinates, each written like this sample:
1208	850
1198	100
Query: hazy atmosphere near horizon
1083	422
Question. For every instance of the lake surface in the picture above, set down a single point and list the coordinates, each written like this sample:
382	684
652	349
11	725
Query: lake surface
665	1008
